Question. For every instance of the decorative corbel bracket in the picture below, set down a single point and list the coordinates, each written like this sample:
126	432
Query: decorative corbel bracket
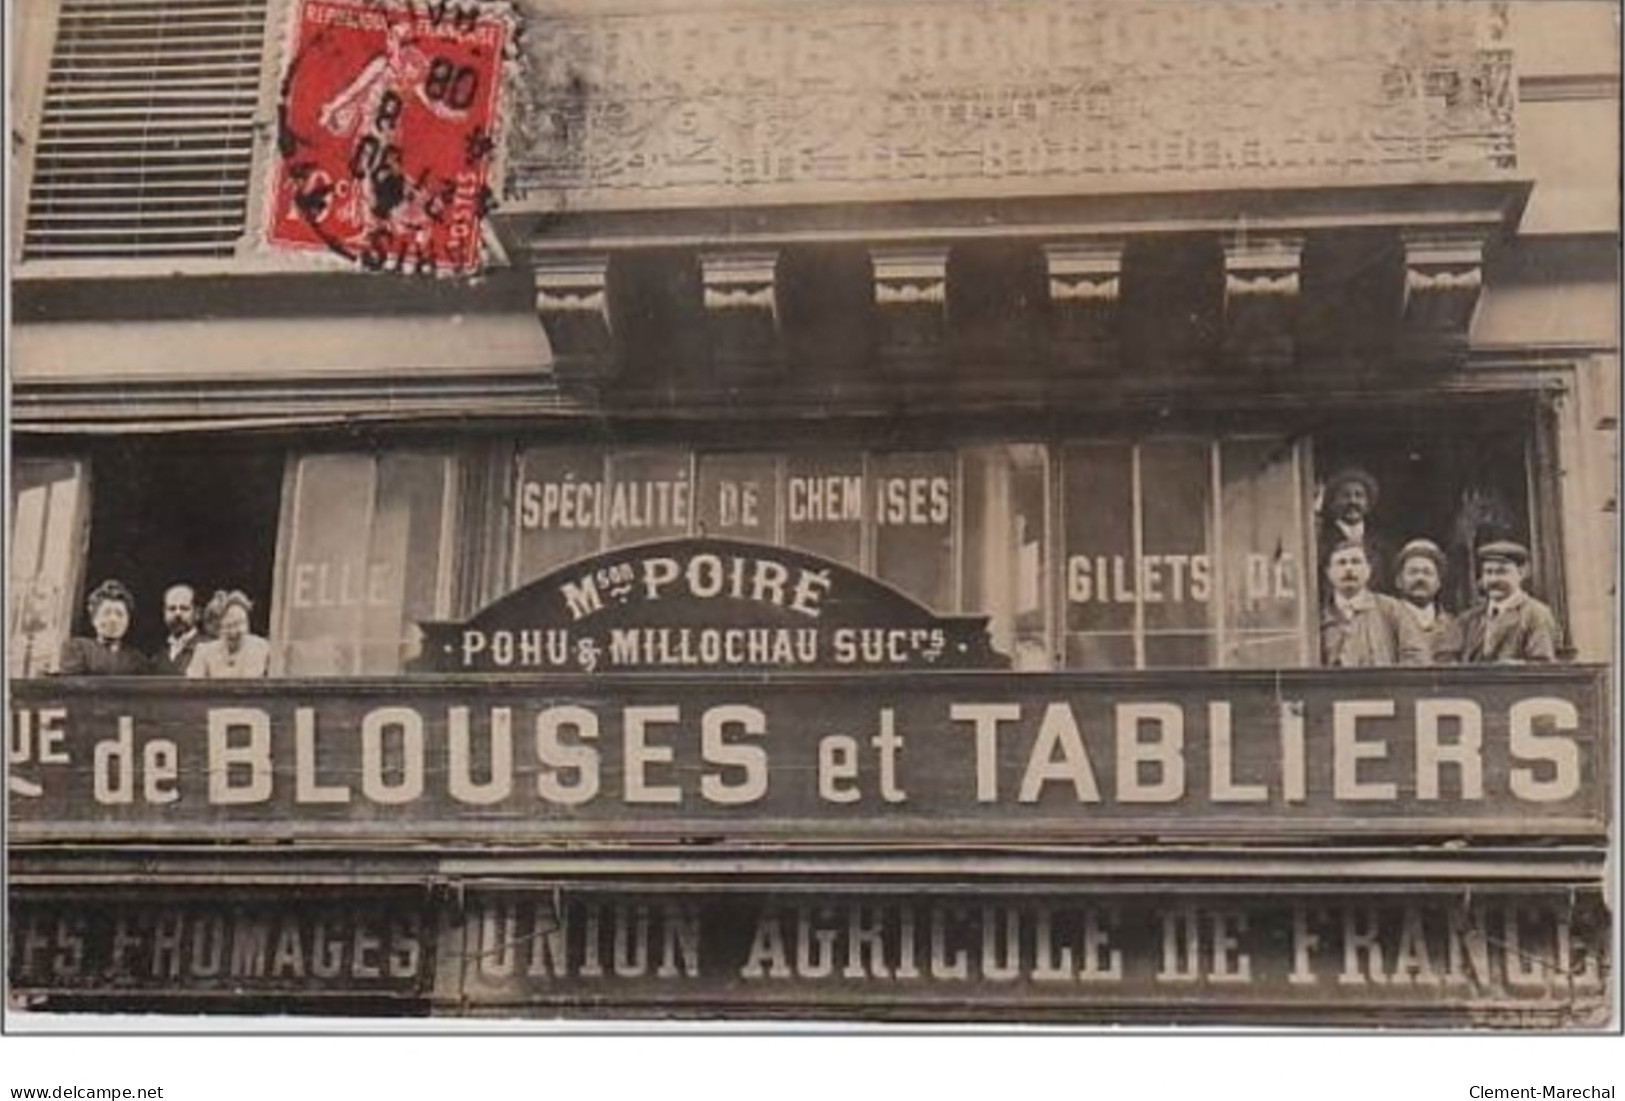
742	309
1262	289
911	300
572	301
1085	287
1444	277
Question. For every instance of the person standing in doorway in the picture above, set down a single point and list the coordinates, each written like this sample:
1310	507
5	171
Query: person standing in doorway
237	653
1349	499
111	606
1360	628
1420	576
1508	627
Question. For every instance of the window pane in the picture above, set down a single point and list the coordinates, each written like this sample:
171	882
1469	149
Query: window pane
1178	651
1100	651
366	561
406	570
1097	495
1005	563
47	523
823	500
327	582
560	509
739	497
1175	579
649	497
1264	584
914	524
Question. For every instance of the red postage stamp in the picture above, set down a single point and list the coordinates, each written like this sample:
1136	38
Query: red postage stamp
386	132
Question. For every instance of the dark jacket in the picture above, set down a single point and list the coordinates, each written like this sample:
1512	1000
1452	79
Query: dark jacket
164	665
89	657
1526	630
1443	636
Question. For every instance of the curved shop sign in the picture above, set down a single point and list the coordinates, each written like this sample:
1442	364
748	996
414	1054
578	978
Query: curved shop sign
706	604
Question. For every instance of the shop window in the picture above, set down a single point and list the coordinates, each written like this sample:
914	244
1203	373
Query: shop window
916	498
1264	589
738	497
48	513
366	555
1183	553
559	507
824	497
1177	552
650	496
1003	548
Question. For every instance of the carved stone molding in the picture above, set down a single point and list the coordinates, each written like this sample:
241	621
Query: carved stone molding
1444	276
742	309
572	301
1085	286
911	299
1262	290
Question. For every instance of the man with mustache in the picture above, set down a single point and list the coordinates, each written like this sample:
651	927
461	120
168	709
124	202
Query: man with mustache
180	620
1509	627
1350	497
1420	576
1360	628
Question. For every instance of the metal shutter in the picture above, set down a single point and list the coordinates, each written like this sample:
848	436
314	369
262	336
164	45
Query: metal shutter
147	132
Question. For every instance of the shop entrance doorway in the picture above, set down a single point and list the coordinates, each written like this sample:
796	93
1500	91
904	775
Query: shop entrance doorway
173	511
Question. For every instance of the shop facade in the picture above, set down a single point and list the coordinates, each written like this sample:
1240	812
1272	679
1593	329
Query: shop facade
851	547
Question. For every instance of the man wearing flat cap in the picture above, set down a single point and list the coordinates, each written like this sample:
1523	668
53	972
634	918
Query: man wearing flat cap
1359	628
1349	498
1508	627
1420	567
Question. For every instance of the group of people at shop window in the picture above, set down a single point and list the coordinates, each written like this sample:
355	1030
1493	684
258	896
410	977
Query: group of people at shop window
1362	626
214	645
1381	608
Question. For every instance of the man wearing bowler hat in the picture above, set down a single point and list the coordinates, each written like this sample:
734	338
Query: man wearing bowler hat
1418	577
1508	626
1349	498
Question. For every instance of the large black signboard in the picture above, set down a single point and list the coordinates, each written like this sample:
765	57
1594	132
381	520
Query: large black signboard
1500	955
1497	957
375	943
1461	753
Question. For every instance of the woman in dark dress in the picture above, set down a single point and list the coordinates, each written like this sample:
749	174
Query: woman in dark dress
107	655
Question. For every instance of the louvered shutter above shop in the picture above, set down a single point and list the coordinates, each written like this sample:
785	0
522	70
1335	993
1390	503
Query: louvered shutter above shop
146	136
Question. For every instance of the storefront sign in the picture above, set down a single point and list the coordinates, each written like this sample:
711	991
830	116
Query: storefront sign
849	101
248	943
1469	752
1508	956
706	604
1497	957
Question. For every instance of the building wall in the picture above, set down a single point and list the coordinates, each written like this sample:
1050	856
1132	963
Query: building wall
152	364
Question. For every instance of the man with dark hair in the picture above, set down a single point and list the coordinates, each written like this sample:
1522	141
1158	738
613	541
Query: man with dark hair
1508	626
180	620
111	607
1360	628
1349	498
1419	577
